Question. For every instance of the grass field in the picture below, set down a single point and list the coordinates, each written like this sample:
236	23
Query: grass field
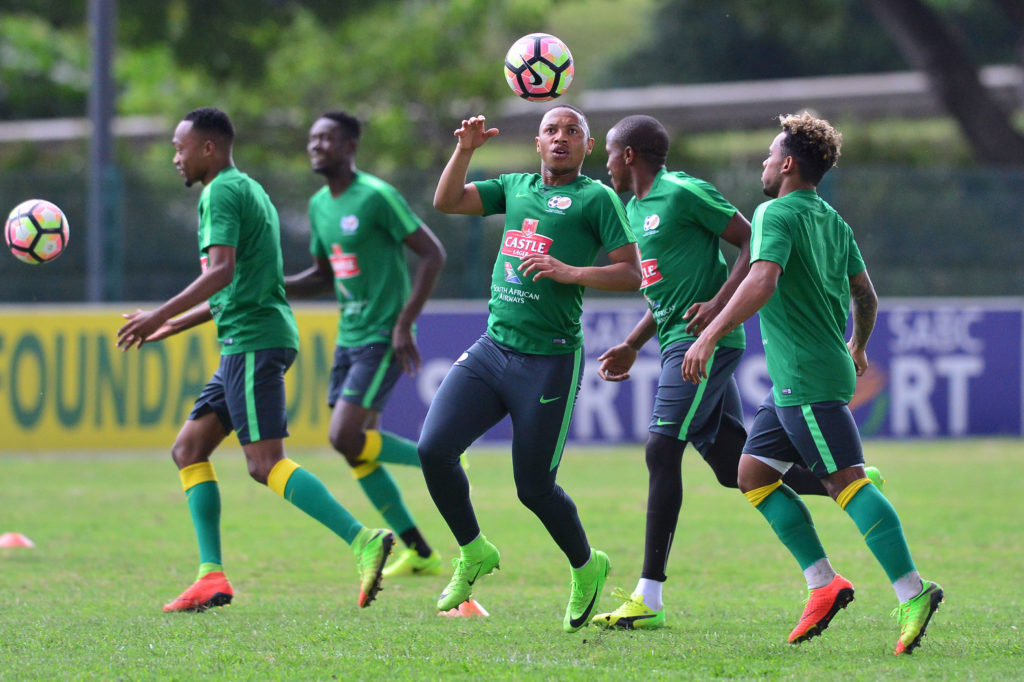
114	542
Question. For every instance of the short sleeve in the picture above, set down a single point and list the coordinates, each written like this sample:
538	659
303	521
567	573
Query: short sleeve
316	247
854	261
223	216
704	203
770	239
396	217
609	215
492	195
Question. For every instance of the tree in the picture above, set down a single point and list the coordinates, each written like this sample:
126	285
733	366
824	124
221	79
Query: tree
931	46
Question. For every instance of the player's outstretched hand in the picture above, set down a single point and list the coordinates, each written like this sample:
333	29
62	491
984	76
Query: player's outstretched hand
142	326
543	266
700	316
695	362
406	352
615	362
473	133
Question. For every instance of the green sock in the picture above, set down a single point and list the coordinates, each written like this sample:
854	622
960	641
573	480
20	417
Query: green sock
878	522
387	498
397	450
789	518
204	505
309	494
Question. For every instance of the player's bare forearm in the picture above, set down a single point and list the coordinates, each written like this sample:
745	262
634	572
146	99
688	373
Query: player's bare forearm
622	274
643	331
737	233
865	309
753	292
432	256
453	193
315	280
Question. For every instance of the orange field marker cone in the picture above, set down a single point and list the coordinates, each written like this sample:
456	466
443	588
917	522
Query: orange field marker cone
15	540
468	608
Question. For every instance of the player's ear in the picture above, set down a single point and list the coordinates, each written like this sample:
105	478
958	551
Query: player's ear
590	145
628	155
538	143
788	165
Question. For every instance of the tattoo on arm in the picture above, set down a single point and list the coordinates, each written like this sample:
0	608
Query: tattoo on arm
865	309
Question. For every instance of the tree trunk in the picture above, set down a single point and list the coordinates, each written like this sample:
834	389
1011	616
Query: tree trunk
929	45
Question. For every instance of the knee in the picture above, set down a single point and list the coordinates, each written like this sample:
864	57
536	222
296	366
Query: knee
259	469
726	469
185	453
349	442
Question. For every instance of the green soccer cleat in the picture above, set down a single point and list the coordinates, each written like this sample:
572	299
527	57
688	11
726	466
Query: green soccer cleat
473	564
585	590
913	616
875	476
371	547
409	562
634	614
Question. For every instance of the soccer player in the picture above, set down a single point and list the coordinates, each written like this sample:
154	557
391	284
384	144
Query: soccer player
242	289
805	266
359	228
530	361
678	221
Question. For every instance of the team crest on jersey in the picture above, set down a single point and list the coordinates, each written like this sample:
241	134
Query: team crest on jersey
649	271
349	224
510	274
521	243
651	222
345	265
559	203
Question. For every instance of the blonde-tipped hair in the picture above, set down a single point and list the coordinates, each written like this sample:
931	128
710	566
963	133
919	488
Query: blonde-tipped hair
812	142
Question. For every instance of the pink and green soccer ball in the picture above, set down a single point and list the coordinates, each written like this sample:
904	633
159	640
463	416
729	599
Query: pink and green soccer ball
538	67
36	231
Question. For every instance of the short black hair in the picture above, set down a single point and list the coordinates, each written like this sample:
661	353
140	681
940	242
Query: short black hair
583	117
213	122
646	136
349	124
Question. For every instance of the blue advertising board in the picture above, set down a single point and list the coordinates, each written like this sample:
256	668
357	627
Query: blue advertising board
939	368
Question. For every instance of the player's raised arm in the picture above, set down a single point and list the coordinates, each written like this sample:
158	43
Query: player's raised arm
453	193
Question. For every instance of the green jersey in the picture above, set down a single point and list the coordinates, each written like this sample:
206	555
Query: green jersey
677	227
362	232
251	312
803	325
570	223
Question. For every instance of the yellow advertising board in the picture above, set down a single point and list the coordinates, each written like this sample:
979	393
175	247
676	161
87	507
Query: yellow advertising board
64	384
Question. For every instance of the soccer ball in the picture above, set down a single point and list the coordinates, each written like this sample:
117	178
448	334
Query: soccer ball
36	231
538	67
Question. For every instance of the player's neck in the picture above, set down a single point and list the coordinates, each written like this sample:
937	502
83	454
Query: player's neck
341	180
556	179
215	168
795	184
642	183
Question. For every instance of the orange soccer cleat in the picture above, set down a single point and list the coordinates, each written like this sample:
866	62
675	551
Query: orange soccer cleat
213	589
823	604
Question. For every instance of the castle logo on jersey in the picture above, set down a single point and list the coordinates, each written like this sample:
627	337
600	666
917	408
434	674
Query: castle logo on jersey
349	224
559	203
344	264
649	271
521	243
651	222
510	274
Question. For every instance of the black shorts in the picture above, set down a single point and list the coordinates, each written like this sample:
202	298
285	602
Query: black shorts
693	412
491	380
247	394
823	436
363	375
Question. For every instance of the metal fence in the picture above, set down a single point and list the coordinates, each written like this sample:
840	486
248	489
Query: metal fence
933	232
